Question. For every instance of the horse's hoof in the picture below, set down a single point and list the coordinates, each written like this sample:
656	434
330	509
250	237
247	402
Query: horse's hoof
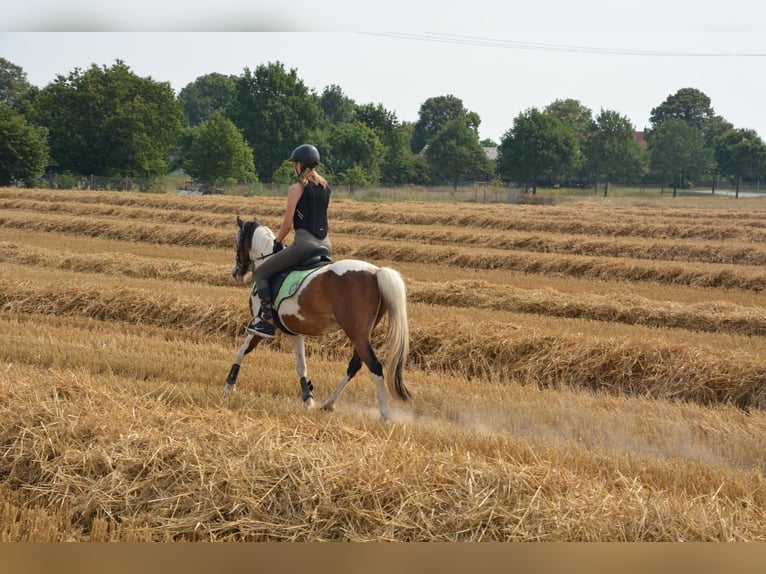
309	403
228	389
328	407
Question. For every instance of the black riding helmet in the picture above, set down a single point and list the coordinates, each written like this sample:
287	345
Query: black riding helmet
307	154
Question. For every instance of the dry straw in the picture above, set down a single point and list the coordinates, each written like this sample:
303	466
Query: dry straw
540	413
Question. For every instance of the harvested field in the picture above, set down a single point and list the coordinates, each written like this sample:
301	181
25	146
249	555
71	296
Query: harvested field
582	371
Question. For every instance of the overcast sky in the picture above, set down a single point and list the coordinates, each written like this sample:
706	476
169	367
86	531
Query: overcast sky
499	58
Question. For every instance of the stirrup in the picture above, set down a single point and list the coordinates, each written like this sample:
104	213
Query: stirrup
262	329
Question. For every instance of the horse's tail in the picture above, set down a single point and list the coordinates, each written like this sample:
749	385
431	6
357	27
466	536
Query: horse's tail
397	342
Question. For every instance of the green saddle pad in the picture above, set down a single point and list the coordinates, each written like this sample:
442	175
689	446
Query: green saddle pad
291	284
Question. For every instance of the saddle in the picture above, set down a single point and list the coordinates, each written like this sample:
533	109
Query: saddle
286	283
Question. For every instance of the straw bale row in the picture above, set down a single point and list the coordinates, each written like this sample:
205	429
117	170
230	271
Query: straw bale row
578	219
652	248
660	248
506	353
720	275
714	317
154	470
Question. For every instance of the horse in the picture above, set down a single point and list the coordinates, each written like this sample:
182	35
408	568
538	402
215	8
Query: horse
349	295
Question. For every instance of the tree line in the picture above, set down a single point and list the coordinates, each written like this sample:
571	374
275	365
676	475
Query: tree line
220	129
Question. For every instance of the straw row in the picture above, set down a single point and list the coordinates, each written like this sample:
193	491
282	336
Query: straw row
713	317
582	218
152	471
659	248
507	353
602	268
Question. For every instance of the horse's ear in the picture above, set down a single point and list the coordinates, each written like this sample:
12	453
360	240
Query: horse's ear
240	223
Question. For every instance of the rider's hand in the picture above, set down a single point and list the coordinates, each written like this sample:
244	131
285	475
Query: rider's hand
277	247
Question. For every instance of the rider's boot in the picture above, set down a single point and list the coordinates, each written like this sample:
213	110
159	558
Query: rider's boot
263	324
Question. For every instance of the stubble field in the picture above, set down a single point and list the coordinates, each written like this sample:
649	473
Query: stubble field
581	371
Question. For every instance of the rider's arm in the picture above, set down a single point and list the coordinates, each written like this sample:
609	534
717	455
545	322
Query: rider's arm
293	195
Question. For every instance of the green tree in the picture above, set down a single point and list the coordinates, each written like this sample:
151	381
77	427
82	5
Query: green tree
108	121
216	152
397	156
355	154
538	144
455	152
611	150
276	112
337	107
687	104
285	173
580	119
741	153
416	170
206	95
23	149
713	133
434	113
13	82
573	114
677	150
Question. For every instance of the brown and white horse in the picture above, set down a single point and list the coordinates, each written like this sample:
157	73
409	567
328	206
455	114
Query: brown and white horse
349	294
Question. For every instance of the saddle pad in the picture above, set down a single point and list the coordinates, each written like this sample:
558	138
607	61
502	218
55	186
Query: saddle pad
291	284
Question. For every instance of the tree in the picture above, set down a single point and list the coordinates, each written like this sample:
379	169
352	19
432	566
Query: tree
611	150
206	95
714	131
435	113
538	144
741	153
397	155
13	83
23	149
355	154
276	112
108	121
580	119
573	114
416	167
455	152
678	151
216	152
687	104
338	108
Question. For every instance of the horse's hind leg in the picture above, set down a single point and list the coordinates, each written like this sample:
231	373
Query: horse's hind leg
376	372
353	368
380	388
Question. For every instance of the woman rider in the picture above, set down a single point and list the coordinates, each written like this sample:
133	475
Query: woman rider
306	211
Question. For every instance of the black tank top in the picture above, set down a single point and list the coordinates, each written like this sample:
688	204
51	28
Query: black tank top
311	211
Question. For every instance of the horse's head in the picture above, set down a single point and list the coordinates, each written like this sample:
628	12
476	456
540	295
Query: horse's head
253	238
242	260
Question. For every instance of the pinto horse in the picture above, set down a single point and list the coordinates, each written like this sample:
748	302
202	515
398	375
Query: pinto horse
350	295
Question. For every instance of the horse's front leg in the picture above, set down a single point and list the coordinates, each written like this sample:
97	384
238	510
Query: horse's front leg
251	341
307	389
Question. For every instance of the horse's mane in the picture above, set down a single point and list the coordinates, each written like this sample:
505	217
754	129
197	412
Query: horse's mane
263	242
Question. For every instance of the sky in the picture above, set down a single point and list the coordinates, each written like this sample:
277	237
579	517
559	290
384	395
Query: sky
499	57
